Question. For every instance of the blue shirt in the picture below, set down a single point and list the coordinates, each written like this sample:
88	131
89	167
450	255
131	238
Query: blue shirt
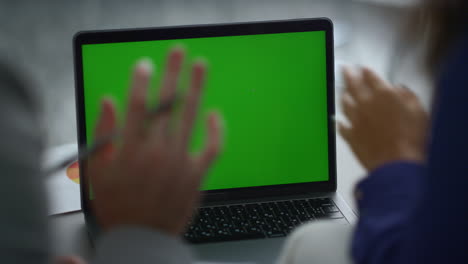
414	213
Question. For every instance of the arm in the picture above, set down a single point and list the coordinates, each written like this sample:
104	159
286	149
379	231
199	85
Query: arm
137	232
386	201
132	244
145	188
438	230
413	214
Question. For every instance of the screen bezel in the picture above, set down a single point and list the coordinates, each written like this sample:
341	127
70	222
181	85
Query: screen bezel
216	30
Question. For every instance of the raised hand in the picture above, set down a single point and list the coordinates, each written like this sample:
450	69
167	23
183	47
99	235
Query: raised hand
386	122
151	179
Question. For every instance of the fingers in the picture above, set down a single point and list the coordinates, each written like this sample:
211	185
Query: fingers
349	107
169	87
345	132
213	144
407	93
108	119
354	85
373	81
192	102
362	86
136	112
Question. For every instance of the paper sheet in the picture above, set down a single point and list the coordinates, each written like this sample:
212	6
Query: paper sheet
63	187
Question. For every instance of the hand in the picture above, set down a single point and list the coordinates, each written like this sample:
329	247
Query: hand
69	260
386	123
150	179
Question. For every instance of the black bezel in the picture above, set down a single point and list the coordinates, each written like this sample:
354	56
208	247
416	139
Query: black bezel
217	30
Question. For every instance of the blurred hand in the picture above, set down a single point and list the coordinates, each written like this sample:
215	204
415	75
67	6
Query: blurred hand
69	260
150	179
386	123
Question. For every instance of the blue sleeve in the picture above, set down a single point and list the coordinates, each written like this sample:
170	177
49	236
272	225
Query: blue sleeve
411	214
386	199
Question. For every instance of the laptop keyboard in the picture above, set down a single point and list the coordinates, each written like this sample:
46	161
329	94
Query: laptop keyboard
258	220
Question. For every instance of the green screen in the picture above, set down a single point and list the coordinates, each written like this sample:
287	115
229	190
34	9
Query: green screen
269	88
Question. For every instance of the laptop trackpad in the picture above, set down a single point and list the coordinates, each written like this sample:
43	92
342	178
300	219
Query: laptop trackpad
246	251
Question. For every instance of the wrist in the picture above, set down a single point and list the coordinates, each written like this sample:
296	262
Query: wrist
413	156
401	155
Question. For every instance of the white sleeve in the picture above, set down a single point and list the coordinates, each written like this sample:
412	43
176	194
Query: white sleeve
132	244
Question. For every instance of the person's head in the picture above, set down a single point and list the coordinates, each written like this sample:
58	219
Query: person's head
439	22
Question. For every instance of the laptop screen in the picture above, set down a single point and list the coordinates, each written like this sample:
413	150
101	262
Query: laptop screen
271	90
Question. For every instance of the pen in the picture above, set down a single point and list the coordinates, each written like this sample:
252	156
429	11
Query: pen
84	152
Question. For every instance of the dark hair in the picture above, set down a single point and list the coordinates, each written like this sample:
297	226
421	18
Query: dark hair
439	22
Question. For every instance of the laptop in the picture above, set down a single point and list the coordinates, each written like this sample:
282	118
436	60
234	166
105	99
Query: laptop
273	82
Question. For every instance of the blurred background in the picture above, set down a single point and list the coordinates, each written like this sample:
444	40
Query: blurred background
37	37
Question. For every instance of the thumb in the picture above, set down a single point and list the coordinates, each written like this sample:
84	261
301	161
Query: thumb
107	121
105	126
